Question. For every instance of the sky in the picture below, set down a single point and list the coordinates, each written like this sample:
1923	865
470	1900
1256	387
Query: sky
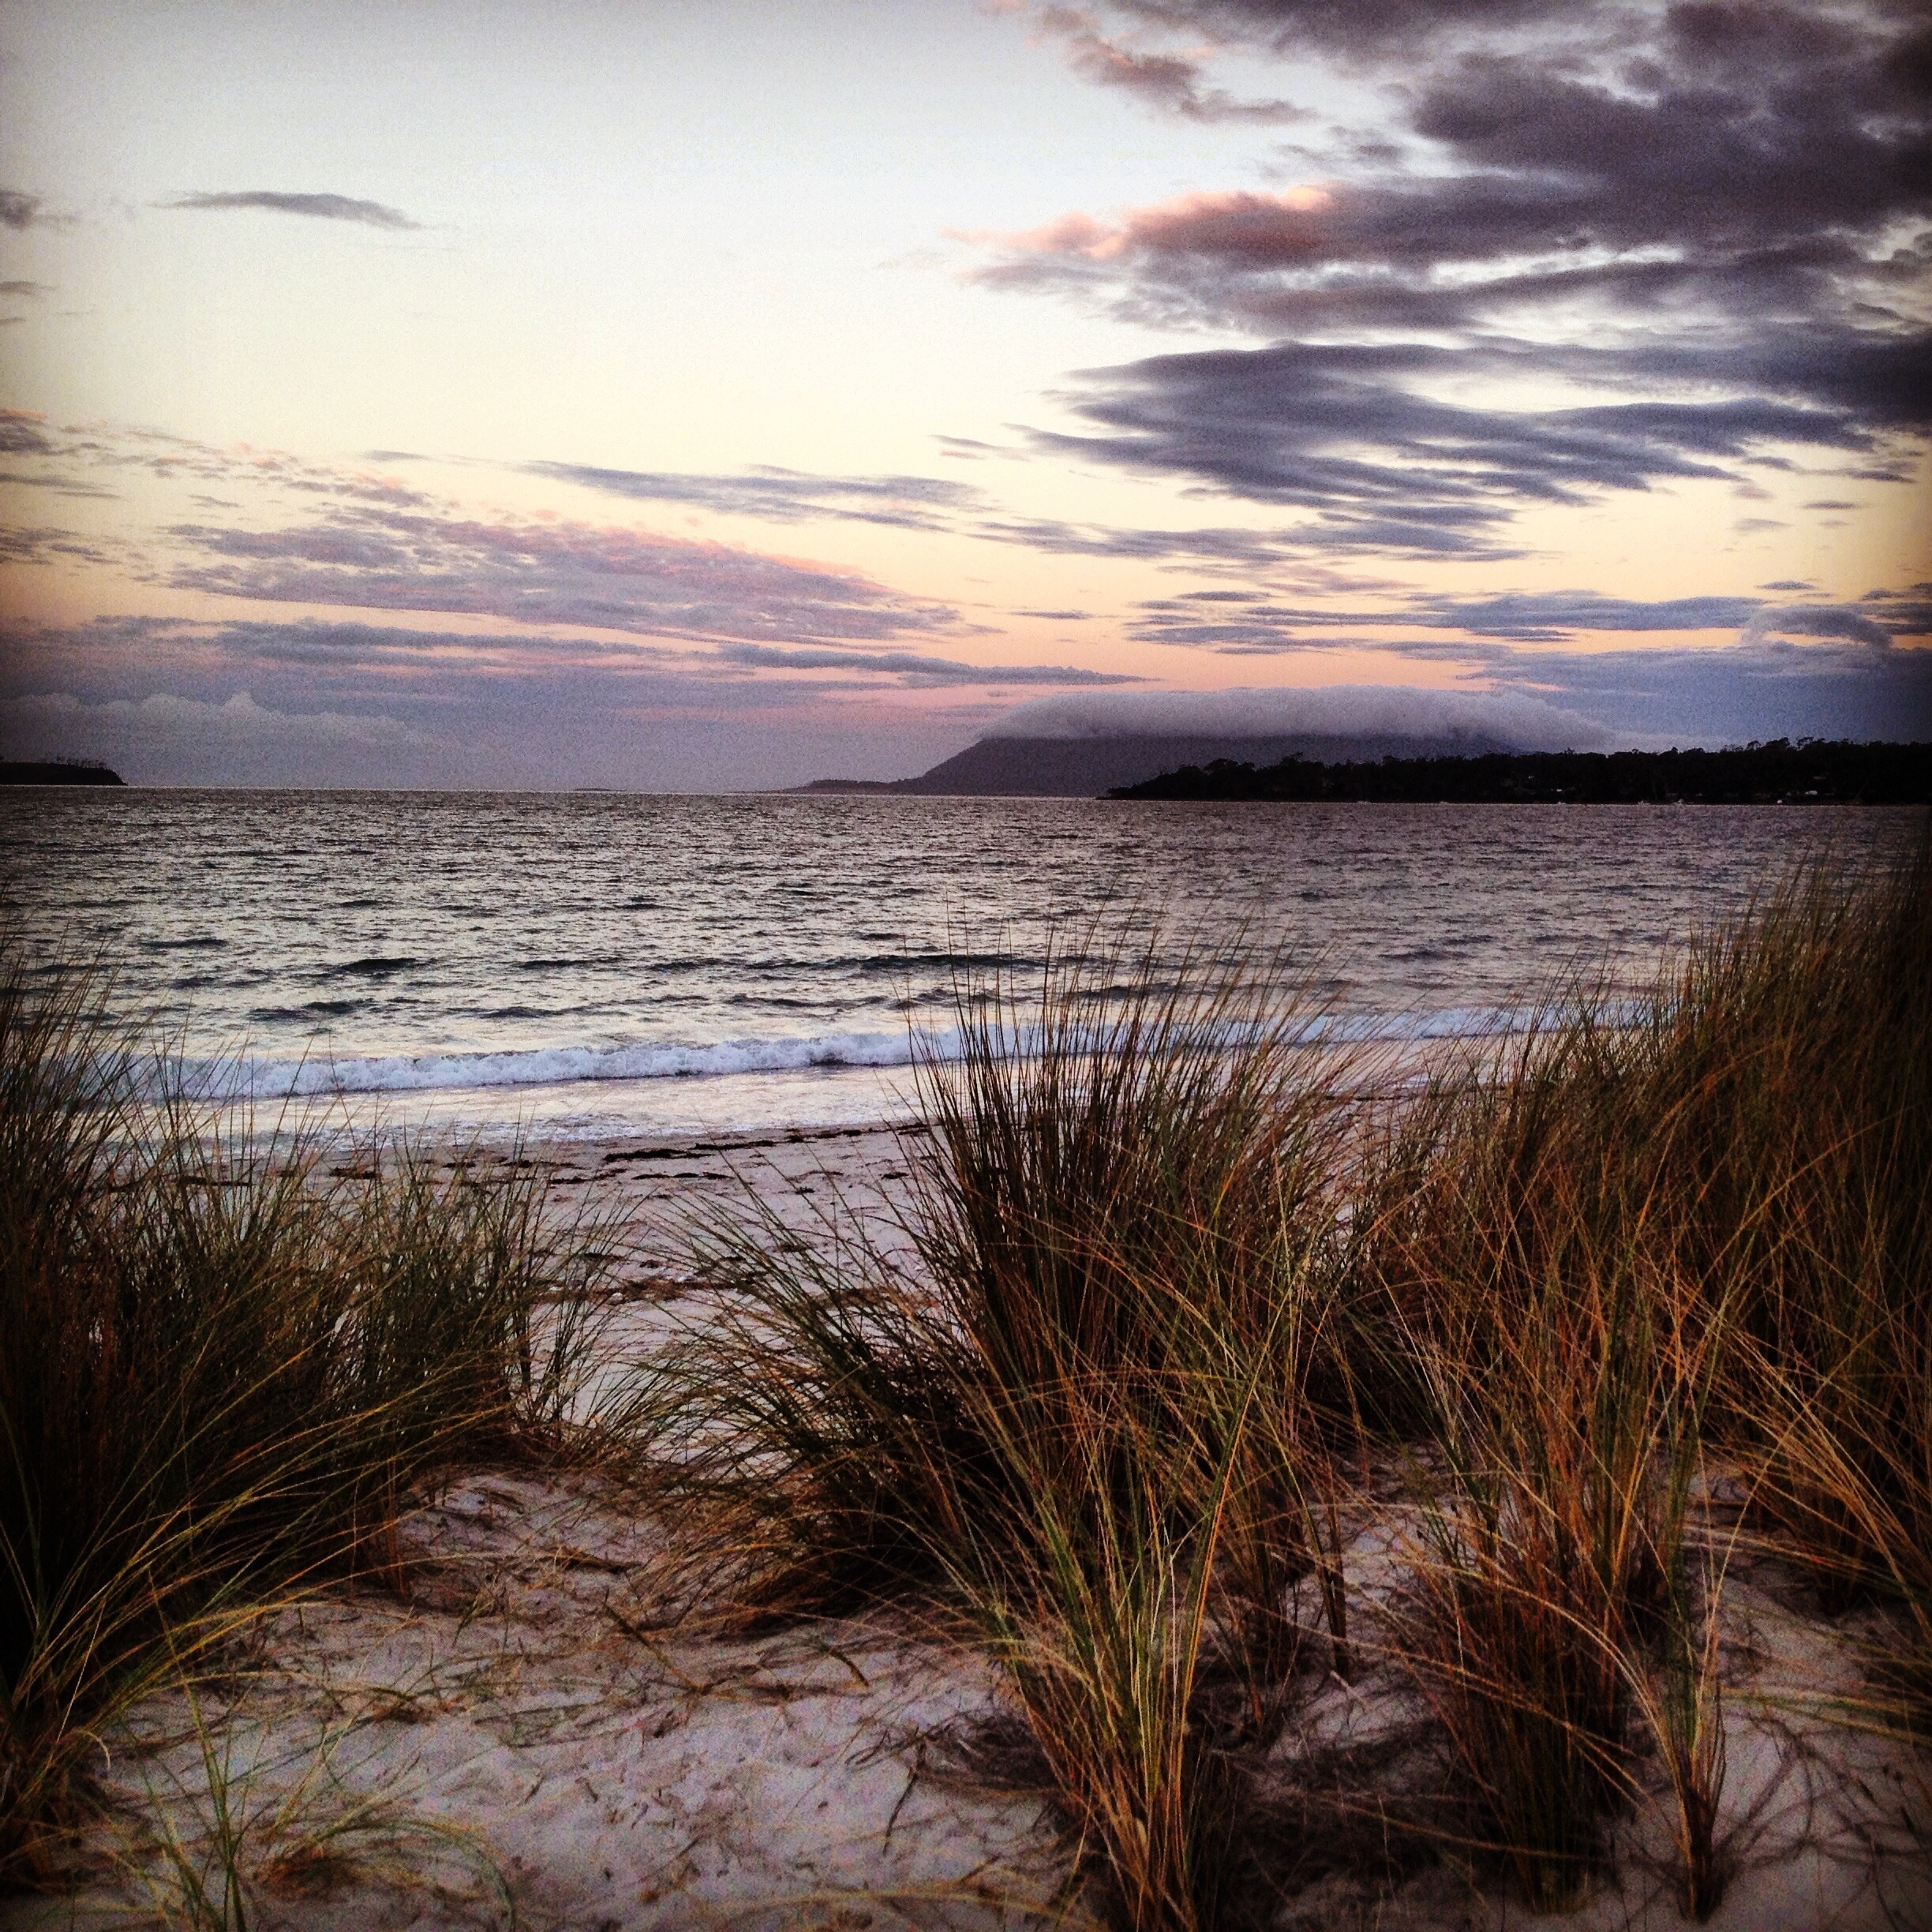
702	396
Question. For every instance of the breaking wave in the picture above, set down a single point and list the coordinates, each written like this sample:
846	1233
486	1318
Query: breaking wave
247	1076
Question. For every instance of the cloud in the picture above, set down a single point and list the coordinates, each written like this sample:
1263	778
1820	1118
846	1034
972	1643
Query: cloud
1758	688
916	669
354	663
779	496
23	432
25	291
1211	546
19	209
1696	234
319	206
1171	82
1250	622
445	707
172	737
1359	437
1761	688
1838	622
239	720
28	544
1336	710
537	573
1368	27
172	458
60	485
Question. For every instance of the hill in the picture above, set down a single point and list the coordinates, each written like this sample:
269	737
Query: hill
1088	767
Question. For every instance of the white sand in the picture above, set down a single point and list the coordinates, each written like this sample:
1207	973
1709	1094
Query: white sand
513	1723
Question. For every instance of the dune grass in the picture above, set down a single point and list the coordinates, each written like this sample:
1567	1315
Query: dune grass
219	1371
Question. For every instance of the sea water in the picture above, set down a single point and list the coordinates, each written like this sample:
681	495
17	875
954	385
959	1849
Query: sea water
589	963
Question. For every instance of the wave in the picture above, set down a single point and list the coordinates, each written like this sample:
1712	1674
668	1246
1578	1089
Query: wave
246	1077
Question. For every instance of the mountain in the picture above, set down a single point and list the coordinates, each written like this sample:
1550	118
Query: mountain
1085	767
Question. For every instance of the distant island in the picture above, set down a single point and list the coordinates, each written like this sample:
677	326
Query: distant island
1776	773
56	771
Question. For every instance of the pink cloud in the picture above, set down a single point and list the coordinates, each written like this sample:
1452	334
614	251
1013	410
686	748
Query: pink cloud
1239	226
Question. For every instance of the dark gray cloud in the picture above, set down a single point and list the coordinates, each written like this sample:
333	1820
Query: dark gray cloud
1213	546
526	572
1358	435
25	291
782	496
1709	222
779	495
318	207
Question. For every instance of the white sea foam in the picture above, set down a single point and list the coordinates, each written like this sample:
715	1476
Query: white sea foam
246	1076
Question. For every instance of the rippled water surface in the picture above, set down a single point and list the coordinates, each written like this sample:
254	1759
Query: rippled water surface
568	952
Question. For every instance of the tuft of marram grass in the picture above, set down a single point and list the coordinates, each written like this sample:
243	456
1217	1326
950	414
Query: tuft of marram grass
220	1370
1073	1394
1702	1226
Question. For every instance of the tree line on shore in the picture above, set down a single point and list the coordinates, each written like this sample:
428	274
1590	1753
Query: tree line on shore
1780	772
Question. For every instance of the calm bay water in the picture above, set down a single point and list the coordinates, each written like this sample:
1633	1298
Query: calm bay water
587	962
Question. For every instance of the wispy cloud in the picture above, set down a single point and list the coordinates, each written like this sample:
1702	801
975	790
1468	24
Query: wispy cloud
554	572
318	207
21	543
779	496
1253	622
19	209
353	661
916	668
1172	82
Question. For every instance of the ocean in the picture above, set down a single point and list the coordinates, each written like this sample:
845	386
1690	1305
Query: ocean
584	964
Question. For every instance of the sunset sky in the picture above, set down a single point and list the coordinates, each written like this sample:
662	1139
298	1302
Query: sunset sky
697	395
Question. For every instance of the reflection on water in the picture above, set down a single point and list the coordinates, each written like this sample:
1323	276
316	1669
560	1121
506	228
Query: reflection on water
489	953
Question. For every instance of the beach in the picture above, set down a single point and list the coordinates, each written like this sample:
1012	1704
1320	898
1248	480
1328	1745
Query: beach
527	1711
543	1690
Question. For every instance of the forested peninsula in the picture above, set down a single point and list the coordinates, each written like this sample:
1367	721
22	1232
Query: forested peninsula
1777	772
